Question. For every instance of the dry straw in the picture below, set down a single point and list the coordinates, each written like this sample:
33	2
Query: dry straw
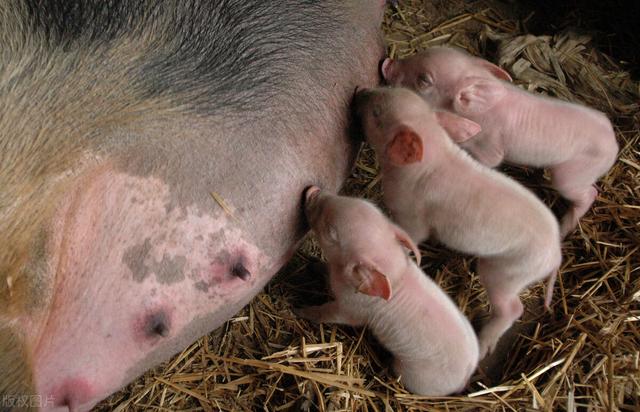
584	355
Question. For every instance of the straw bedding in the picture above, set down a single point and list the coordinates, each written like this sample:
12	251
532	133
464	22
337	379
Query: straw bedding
582	355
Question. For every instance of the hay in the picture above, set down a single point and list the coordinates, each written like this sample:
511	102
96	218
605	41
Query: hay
583	355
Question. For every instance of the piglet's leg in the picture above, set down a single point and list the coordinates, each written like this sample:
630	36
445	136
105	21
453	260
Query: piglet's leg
506	307
329	313
574	181
581	201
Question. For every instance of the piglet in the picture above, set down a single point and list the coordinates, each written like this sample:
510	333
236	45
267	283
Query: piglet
435	189
374	283
576	143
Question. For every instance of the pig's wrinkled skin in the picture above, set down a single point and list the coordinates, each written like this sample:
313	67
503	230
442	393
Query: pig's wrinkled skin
576	143
434	189
116	126
434	348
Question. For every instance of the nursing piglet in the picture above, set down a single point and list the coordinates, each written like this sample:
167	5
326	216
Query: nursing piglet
435	189
576	143
434	347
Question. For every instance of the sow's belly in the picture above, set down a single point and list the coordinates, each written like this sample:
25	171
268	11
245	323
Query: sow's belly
162	277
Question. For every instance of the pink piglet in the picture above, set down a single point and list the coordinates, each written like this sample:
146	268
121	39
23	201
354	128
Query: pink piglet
577	144
434	189
376	284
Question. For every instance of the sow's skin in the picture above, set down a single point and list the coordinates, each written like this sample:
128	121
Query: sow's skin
434	189
435	349
576	143
116	126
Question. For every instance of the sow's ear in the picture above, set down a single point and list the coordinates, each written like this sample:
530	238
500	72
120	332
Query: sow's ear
371	282
478	95
458	128
496	71
405	240
405	147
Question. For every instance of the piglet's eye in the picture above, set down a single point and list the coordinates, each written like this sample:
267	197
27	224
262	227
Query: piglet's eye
332	233
425	80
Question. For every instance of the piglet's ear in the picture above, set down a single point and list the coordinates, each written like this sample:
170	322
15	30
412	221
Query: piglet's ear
478	95
371	282
405	147
459	128
496	71
406	241
387	69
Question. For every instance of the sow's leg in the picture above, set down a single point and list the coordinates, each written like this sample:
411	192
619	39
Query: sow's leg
152	160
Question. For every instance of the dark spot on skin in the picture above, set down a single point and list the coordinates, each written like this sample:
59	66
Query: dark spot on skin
156	324
238	270
134	259
170	270
199	238
217	236
202	286
169	206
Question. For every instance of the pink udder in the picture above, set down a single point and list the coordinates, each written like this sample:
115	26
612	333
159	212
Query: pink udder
73	393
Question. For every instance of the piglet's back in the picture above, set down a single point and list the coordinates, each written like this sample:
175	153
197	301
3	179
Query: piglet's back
477	198
541	131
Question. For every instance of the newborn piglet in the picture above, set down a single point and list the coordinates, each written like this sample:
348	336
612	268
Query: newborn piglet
435	189
376	284
576	143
